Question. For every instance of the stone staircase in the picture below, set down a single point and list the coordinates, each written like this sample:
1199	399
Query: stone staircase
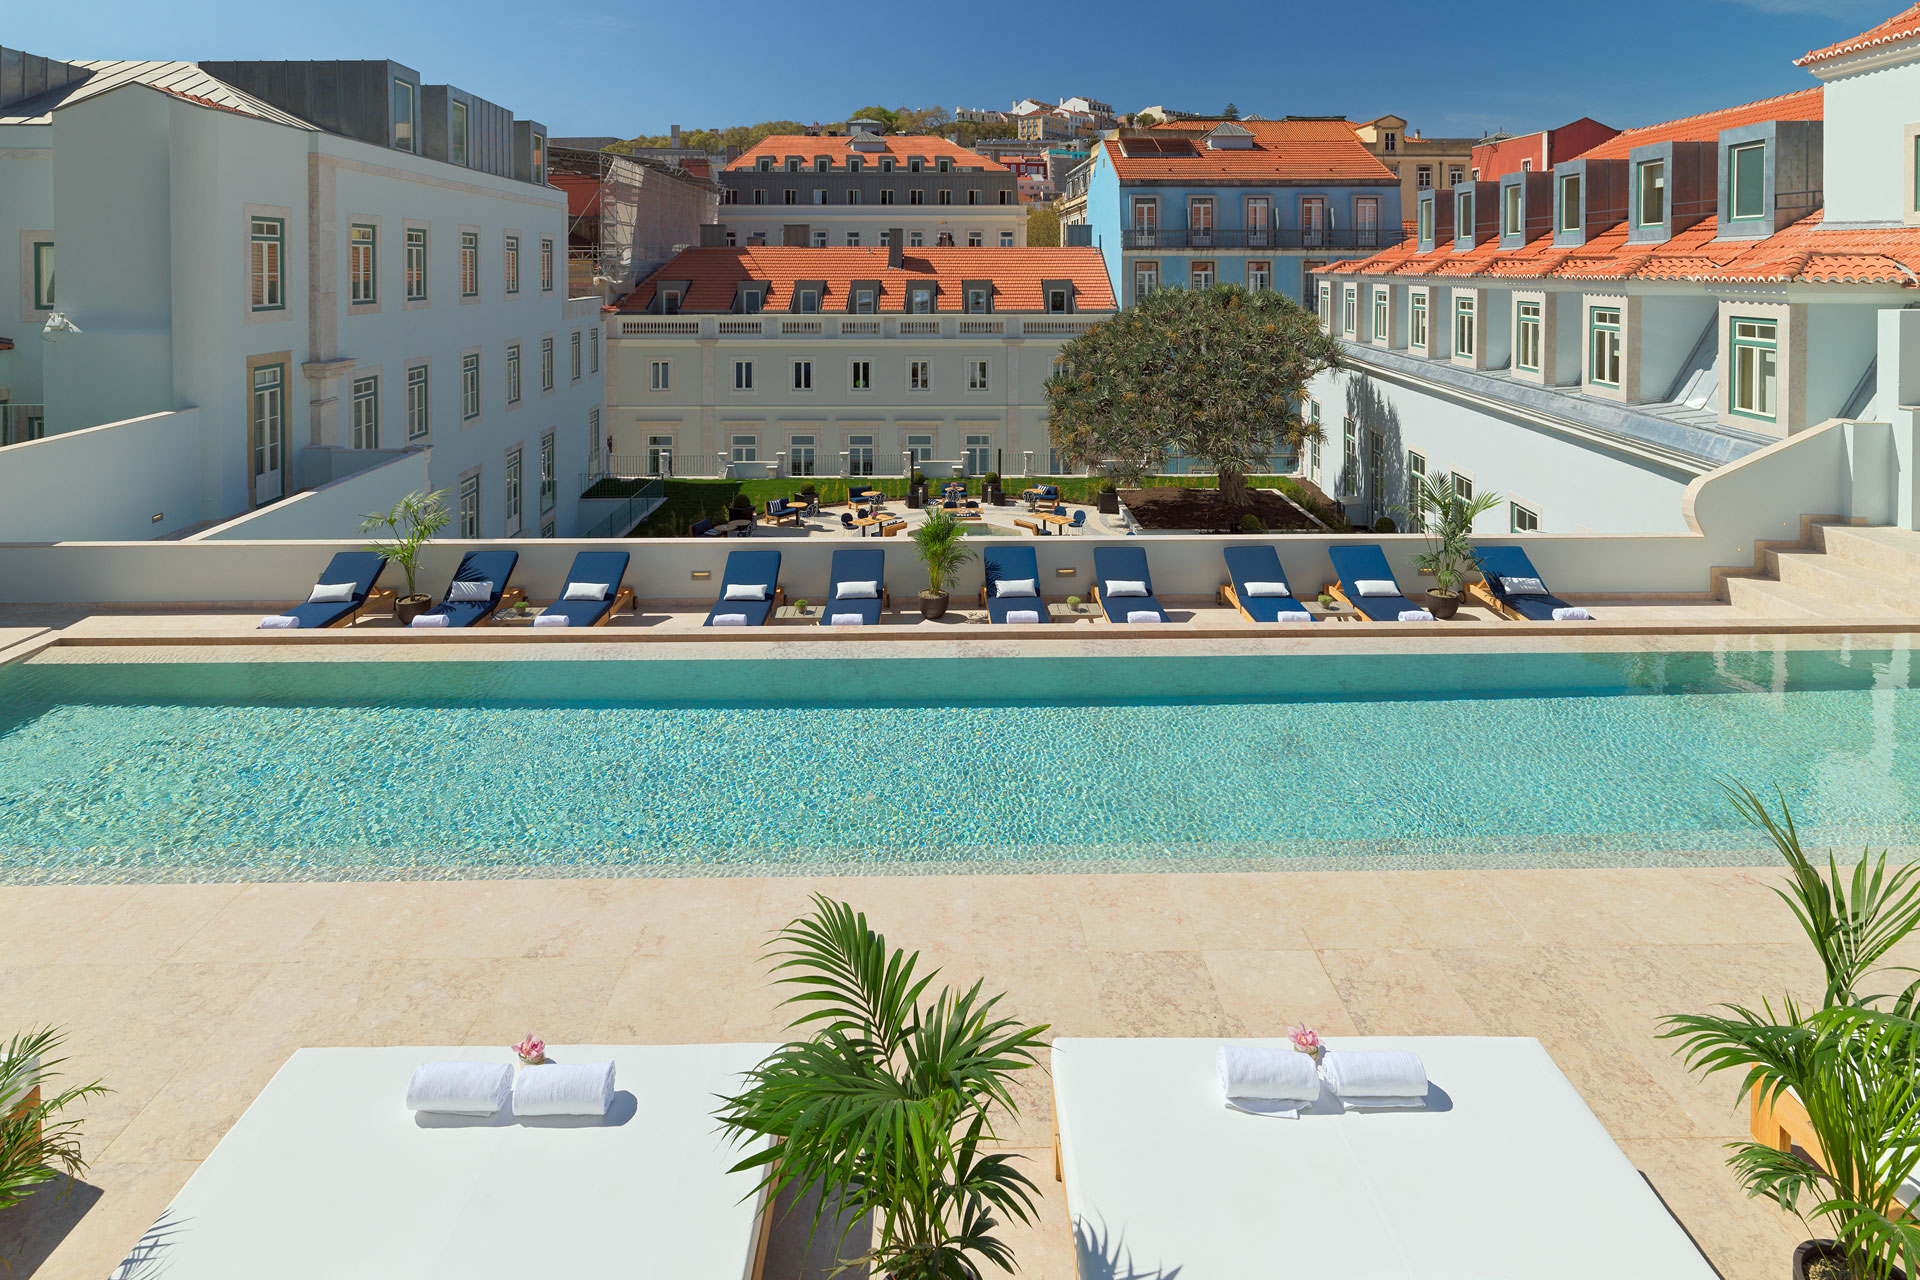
1837	571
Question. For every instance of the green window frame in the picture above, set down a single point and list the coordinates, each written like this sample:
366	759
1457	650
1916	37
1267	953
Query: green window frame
1463	215
1510	221
366	413
1526	345
1425	217
269	415
1417	321
516	521
549	489
512	266
1380	333
573	356
470	506
1349	310
1522	519
1916	173
1650	193
418	421
546	364
1747	182
546	266
363	264
267	256
593	349
1571	212
1753	390
43	275
1463	326
513	373
416	264
469	387
469	264
1603	344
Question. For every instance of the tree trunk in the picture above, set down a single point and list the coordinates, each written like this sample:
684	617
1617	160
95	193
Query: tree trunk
1233	489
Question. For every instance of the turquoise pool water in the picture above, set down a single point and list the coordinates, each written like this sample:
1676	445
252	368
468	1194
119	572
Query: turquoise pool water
306	770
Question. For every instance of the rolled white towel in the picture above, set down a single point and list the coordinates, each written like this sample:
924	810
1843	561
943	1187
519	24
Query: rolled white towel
1266	1081
431	620
1293	617
846	620
1022	615
279	622
1375	1077
553	620
730	620
460	1088
1573	613
1415	615
564	1089
1142	615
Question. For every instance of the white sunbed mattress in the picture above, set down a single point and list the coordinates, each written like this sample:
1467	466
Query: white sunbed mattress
1504	1175
329	1175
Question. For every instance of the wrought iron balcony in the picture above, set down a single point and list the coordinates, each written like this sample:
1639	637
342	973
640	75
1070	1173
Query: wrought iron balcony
1278	238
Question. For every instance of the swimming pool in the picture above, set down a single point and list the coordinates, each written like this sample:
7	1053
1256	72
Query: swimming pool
230	770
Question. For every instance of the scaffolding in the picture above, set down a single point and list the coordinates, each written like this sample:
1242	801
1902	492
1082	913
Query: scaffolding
626	215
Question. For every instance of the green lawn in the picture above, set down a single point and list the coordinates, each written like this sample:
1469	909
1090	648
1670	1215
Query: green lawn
691	500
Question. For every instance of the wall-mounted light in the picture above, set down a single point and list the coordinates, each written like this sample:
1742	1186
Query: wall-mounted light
1063	573
701	575
158	516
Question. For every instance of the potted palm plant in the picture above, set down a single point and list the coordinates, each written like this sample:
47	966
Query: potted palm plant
943	549
412	523
888	1102
1850	1066
36	1144
1446	518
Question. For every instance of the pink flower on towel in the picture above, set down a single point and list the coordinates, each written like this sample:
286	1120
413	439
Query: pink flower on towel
1305	1039
532	1051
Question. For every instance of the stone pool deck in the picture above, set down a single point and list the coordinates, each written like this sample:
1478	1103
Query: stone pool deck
187	998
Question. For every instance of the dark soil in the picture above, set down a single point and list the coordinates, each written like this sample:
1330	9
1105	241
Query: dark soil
1202	509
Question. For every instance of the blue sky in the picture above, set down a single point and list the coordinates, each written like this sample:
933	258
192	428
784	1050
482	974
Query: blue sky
599	67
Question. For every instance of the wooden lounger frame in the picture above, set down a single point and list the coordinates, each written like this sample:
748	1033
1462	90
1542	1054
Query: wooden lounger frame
1030	527
1481	592
386	594
1783	1125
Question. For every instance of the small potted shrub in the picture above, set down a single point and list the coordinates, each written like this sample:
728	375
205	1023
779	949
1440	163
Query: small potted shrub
1328	603
1109	498
917	490
1251	523
800	607
1385	524
1446	519
990	485
1073	603
411	525
943	550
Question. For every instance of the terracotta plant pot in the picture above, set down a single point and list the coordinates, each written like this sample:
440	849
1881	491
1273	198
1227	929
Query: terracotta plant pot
932	606
1442	607
407	608
1812	1251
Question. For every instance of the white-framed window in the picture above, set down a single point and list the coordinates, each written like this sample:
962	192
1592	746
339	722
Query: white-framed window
1522	519
1424	221
860	375
1416	472
1146	278
1463	486
920	301
470	506
746	448
1510	207
979	451
743	375
1058	301
809	299
820	237
546	364
1571	211
510	487
1603	344
366	413
1006	239
1259	276
470	386
803	375
362	278
1463	326
860	455
916	239
1526	337
1456	174
268	266
976	299
659	455
1755	348
669	302
1380	315
546	266
853	239
1350	310
975	240
1423	177
977	375
660	376
573	356
513	373
469	264
1417	320
1650	193
1389	141
863	302
593	349
800	456
1201	273
919	375
418	422
1747	181
549	486
919	450
416	264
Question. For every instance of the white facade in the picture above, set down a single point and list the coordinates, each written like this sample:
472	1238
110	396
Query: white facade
835	395
864	226
296	288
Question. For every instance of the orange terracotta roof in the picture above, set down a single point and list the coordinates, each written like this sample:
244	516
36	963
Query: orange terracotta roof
1898	27
900	146
1804	105
714	274
1804	253
1282	151
6	344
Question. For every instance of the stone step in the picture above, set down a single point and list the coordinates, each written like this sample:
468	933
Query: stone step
1851	588
1892	552
1766	598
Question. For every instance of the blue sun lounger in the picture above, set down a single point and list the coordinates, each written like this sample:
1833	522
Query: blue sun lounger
748	569
1011	564
1123	564
1259	565
493	568
362	569
1499	564
853	565
1367	563
595	568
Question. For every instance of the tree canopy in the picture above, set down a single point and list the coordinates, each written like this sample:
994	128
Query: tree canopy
1216	374
902	119
1043	226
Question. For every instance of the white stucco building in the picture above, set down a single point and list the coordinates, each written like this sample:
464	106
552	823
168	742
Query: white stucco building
300	290
1588	340
846	362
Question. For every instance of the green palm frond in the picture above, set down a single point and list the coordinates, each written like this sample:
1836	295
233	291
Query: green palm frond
37	1143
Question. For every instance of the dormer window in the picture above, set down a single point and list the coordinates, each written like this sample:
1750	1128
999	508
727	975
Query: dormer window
1389	141
946	165
1056	300
766	164
863	301
751	301
1570	210
821	164
855	164
1463	214
976	300
886	164
1747	181
669	302
1424	222
1510	224
793	164
1650	186
1526	166
913	165
809	300
920	301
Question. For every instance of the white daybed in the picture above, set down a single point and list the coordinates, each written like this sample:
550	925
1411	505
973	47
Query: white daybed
1505	1175
328	1175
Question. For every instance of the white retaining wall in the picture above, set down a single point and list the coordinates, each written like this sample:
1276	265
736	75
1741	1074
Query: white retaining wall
333	510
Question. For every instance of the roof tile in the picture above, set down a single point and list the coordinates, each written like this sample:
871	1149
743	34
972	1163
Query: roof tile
1804	105
1898	27
715	274
838	147
1282	151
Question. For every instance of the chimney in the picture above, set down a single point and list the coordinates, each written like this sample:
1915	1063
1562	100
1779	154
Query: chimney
676	137
896	237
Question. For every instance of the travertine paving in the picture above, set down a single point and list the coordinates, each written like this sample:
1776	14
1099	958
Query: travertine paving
187	998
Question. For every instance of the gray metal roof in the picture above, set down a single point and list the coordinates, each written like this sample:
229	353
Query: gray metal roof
177	77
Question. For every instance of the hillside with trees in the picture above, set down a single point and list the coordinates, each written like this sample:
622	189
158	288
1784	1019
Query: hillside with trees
902	119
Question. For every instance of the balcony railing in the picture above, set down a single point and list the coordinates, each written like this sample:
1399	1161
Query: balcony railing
823	325
1270	238
20	423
